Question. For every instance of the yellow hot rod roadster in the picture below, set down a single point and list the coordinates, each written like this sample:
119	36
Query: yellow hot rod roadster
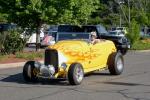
72	57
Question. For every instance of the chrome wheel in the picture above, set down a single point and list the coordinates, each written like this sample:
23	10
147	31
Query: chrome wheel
29	71
79	74
119	64
116	63
75	74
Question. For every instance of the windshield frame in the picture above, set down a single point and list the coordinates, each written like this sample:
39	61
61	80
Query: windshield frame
58	34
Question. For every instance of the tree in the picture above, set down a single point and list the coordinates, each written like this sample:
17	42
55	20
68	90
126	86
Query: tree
134	32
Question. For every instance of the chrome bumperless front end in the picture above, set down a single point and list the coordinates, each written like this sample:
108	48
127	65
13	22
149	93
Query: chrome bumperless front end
50	66
44	70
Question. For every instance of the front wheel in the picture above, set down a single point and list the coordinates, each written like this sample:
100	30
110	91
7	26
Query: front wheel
116	64
75	74
29	72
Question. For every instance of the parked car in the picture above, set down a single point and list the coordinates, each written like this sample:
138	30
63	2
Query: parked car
32	38
7	26
49	39
123	29
50	36
116	33
72	57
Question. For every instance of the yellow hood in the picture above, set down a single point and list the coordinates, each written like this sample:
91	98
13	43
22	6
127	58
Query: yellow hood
69	45
73	50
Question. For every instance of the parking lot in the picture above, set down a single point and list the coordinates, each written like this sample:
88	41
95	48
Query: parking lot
133	84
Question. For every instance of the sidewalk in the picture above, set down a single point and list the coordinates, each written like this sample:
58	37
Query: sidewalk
13	65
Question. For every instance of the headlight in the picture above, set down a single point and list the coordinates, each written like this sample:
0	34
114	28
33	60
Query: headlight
120	40
64	65
123	40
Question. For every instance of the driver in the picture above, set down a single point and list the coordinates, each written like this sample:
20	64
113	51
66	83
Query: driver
94	39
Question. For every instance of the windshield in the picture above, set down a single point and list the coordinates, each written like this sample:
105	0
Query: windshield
120	28
113	33
74	36
70	28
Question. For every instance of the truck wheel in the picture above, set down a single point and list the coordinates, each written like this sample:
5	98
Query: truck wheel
123	51
75	74
116	63
29	73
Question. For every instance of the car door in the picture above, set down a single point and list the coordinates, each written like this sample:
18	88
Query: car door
98	55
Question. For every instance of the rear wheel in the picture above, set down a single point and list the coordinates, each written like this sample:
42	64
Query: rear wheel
75	74
29	72
116	64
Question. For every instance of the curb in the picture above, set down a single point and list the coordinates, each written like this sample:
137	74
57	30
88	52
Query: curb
13	65
143	51
139	50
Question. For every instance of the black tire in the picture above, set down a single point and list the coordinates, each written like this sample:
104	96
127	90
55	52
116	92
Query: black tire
123	51
28	74
73	78
116	63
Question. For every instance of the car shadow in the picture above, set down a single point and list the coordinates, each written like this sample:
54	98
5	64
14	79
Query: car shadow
18	78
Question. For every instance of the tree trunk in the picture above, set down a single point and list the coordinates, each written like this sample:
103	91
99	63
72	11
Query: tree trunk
38	38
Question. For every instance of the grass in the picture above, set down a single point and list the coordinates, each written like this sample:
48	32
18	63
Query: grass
141	45
3	57
22	55
30	55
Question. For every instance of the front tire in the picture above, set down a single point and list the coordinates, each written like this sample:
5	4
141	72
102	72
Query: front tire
29	74
75	74
116	63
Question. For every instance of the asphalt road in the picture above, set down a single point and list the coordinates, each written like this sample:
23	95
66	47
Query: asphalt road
133	84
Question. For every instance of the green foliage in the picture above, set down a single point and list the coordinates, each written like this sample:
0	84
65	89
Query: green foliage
75	11
140	45
134	32
2	40
31	13
3	18
12	42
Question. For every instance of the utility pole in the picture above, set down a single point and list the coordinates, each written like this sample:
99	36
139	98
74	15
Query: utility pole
129	13
126	16
120	20
120	3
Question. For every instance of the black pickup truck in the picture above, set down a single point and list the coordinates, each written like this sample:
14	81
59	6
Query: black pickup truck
121	42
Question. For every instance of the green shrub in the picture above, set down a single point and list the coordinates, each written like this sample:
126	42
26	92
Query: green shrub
140	45
12	42
2	39
134	32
